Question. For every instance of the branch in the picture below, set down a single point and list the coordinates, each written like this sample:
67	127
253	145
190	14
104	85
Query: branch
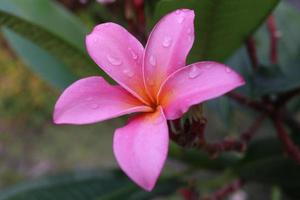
256	105
223	192
291	149
251	48
274	35
238	145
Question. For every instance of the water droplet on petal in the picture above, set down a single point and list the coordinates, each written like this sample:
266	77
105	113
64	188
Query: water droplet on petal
114	60
189	31
194	72
228	70
167	41
152	60
177	12
89	98
94	106
208	66
150	82
128	73
159	120
133	54
95	40
180	19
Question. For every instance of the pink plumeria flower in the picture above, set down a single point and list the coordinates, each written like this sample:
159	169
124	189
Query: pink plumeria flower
153	81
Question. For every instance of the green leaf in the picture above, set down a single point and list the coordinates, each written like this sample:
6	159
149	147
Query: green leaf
86	185
286	77
49	25
40	61
265	163
220	26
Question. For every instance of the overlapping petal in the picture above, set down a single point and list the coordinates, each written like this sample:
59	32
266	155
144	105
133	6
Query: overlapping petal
194	84
92	100
167	47
120	55
141	147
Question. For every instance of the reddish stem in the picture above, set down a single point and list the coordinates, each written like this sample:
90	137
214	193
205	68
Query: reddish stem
274	35
235	145
251	48
288	145
256	105
223	192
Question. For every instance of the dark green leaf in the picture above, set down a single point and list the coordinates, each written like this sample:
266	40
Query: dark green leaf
40	61
49	25
86	185
221	26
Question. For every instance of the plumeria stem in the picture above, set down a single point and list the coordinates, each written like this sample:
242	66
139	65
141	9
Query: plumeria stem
256	105
251	48
288	145
223	192
238	145
274	35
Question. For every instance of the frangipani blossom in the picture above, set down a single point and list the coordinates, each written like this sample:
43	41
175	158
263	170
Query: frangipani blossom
153	82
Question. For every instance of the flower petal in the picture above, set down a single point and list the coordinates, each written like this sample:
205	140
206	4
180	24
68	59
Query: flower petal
119	54
167	47
194	84
141	148
92	100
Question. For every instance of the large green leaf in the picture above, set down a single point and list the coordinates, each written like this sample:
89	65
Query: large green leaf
221	26
40	61
86	185
287	72
49	25
266	163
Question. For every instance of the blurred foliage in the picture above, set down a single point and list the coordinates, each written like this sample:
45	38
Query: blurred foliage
49	39
108	185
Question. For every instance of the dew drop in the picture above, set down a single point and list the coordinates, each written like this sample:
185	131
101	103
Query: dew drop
167	41
228	70
194	72
152	61
150	82
133	54
114	60
159	120
128	73
180	19
189	31
89	98
177	12
95	40
94	106
208	66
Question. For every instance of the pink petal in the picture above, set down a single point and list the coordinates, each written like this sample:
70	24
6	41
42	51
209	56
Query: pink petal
167	47
92	100
119	54
141	148
194	84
